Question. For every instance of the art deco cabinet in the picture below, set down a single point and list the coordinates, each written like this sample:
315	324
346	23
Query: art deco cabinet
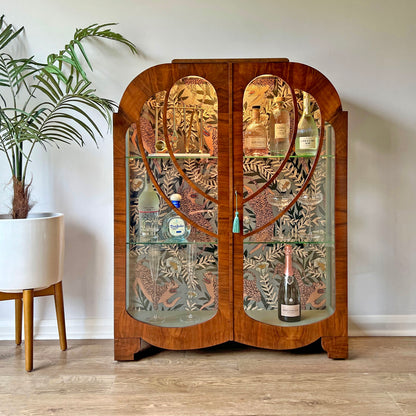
182	125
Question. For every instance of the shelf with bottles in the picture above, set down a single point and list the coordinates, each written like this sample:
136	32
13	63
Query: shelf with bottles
271	110
265	268
173	285
194	206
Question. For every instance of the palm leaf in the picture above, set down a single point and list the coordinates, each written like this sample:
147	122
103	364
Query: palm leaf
60	106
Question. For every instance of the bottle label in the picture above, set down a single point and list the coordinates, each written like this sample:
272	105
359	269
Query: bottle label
280	131
148	210
256	142
290	311
308	143
176	227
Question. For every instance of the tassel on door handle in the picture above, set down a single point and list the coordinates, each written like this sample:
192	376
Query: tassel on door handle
236	222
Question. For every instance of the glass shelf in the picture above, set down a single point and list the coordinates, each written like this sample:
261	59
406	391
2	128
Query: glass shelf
172	319
326	156
328	243
307	317
194	156
163	242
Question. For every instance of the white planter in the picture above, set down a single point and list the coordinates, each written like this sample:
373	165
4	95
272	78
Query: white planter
31	251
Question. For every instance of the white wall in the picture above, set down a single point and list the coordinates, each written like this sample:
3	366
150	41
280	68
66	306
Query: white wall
367	51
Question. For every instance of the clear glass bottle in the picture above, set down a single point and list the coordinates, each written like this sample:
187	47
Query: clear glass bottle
148	207
307	137
175	229
289	294
279	128
255	139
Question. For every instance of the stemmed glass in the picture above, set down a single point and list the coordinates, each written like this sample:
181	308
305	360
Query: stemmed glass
154	262
310	199
281	200
191	262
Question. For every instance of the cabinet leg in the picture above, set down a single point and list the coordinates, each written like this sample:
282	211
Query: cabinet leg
129	349
125	348
336	347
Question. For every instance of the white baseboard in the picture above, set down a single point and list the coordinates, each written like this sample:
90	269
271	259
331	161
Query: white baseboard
382	325
75	329
358	326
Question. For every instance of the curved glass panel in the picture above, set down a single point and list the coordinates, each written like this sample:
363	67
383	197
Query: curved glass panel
307	225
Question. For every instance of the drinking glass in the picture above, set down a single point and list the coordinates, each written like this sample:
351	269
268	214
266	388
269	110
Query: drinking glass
191	263
154	262
310	199
281	199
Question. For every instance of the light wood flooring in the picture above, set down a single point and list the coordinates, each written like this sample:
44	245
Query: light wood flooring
379	379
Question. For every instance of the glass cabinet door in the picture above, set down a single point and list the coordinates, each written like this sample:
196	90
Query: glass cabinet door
172	262
287	199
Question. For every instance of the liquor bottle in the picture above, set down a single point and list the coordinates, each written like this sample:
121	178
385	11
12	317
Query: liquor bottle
289	294
279	128
307	137
255	140
175	229
148	207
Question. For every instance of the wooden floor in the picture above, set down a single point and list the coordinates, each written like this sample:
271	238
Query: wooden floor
379	379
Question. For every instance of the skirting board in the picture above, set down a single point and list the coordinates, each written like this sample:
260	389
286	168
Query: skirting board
359	325
75	329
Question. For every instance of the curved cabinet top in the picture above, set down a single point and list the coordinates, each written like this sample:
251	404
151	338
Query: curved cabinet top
162	77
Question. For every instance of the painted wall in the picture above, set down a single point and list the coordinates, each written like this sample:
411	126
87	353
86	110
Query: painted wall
367	51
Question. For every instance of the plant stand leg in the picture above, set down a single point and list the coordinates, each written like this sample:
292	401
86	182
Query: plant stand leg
18	306
28	316
60	314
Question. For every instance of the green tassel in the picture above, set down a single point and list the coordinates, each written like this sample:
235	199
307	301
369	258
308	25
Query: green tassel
236	223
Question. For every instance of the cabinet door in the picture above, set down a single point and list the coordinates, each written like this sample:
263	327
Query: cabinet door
286	199
178	293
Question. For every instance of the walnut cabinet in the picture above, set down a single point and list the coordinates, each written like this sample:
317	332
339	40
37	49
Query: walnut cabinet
183	126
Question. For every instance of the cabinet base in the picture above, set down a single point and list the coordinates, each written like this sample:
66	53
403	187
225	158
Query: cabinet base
130	349
336	347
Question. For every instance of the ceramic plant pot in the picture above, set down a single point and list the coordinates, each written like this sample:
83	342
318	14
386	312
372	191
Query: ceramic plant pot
31	251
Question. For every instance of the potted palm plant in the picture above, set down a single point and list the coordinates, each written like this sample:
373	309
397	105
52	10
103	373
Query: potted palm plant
43	103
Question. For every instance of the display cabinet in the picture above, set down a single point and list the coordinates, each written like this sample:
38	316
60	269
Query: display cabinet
184	128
